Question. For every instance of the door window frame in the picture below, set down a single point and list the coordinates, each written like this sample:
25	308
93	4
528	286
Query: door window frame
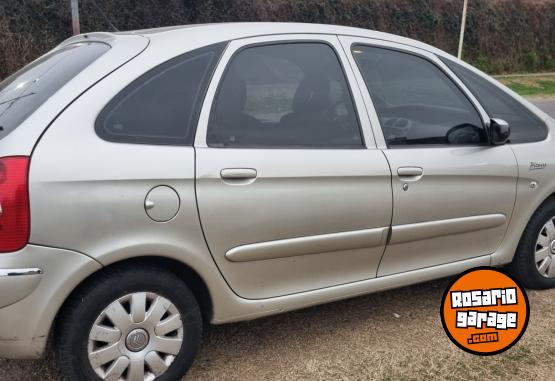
236	46
506	91
349	42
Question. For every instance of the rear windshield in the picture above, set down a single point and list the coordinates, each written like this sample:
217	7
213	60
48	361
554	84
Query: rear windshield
24	92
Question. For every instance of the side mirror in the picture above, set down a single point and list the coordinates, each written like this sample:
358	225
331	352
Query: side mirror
499	131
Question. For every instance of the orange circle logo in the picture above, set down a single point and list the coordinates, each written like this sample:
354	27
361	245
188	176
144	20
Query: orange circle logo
484	311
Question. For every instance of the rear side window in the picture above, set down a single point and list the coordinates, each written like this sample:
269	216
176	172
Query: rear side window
24	92
284	95
525	126
417	103
162	106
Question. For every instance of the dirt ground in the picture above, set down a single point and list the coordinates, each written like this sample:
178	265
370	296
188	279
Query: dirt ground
394	335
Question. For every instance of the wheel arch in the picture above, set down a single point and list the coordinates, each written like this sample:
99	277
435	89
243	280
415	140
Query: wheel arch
187	274
548	198
508	253
522	266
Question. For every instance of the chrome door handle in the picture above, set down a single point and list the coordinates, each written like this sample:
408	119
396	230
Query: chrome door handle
238	173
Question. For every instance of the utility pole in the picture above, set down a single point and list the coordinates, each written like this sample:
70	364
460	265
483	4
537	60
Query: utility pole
463	25
75	17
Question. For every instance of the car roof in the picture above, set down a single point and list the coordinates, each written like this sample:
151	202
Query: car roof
219	32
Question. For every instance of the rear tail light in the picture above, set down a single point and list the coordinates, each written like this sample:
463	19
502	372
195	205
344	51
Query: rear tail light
14	203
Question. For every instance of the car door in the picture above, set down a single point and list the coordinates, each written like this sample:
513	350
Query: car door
453	192
292	193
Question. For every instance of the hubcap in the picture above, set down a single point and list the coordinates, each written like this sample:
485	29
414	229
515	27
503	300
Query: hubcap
545	250
135	338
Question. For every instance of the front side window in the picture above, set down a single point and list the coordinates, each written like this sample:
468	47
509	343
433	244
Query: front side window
525	126
284	95
162	106
416	102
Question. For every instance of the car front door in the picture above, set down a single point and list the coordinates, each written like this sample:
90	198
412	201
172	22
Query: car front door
453	192
292	193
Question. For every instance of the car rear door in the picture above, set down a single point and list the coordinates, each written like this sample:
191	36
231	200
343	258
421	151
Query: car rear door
453	192
292	193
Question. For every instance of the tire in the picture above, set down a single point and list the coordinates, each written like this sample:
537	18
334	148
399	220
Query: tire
524	264
96	304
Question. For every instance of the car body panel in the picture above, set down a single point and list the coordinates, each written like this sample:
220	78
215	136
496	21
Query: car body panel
453	229
457	183
332	192
26	323
329	199
533	188
76	176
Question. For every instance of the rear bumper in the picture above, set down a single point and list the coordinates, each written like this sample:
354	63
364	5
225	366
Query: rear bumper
34	283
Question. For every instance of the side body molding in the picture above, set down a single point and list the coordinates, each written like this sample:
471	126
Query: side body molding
426	244
432	229
317	244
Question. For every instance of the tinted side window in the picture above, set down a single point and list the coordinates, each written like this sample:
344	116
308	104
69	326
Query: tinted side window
284	95
22	93
416	102
525	126
162	106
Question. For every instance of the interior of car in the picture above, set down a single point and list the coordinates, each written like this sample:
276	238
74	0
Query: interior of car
284	95
416	102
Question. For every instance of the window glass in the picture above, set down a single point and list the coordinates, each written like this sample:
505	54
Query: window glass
22	93
416	102
284	95
162	106
525	126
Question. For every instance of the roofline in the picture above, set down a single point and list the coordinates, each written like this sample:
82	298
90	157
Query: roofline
264	29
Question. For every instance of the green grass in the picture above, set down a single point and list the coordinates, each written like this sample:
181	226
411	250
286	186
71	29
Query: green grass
531	85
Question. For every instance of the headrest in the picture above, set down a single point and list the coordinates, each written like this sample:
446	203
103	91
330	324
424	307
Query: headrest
313	94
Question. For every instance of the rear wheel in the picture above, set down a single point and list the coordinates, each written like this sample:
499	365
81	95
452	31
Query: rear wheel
130	324
534	261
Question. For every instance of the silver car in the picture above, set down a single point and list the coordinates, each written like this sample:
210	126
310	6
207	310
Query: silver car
154	179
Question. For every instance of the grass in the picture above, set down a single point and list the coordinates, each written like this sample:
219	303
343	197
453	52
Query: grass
533	85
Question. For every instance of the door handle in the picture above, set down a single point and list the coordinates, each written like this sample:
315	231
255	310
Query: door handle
238	174
410	173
